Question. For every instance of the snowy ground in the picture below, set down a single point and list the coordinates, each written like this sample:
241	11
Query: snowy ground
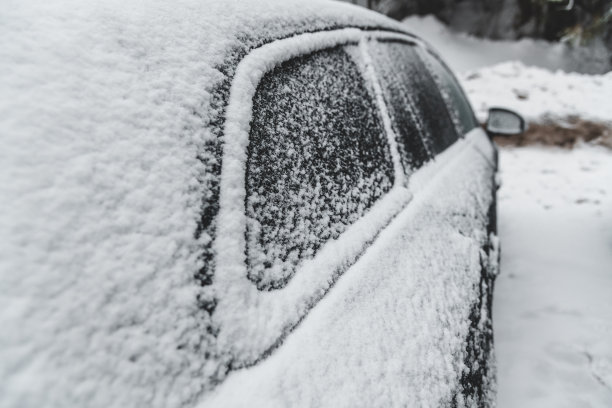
538	93
553	302
552	307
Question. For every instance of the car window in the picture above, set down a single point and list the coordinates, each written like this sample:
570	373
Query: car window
456	101
318	159
418	112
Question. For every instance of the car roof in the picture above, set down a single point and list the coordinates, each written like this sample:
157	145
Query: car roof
190	42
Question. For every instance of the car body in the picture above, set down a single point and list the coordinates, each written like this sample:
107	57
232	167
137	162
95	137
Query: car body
271	204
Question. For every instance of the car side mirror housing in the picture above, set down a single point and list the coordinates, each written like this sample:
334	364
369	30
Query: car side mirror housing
504	122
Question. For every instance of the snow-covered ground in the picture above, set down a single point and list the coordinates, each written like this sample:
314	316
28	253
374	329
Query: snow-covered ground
553	303
537	93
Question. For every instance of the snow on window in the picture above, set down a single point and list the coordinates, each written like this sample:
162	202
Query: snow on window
394	74
456	101
317	161
419	113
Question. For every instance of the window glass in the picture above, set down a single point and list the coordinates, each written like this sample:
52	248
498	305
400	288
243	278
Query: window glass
318	159
456	101
418	112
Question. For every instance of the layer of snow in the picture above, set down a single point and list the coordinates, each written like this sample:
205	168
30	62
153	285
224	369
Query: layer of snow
553	298
539	94
253	321
110	123
392	330
373	81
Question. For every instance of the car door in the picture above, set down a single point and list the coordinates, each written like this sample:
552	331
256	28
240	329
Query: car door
328	176
307	184
418	85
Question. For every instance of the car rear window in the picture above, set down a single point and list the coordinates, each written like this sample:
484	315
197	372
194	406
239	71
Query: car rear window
318	159
418	112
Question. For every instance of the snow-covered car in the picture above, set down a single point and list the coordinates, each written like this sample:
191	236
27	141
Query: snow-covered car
239	204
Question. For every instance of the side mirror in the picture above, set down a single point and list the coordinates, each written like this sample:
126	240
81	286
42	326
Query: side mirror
504	122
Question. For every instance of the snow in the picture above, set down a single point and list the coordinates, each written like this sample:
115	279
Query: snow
402	310
110	118
552	307
538	94
465	52
416	112
310	116
363	59
255	322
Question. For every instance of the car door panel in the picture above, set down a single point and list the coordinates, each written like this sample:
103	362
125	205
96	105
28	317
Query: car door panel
393	329
256	314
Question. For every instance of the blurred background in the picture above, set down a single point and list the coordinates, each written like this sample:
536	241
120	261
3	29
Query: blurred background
585	26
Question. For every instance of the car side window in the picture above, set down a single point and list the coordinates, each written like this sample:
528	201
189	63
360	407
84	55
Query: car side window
318	159
456	101
418	112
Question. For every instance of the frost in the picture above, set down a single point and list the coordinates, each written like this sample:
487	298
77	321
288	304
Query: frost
122	247
393	330
254	322
317	161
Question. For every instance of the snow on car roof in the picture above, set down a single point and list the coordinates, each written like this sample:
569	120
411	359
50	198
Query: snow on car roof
111	116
